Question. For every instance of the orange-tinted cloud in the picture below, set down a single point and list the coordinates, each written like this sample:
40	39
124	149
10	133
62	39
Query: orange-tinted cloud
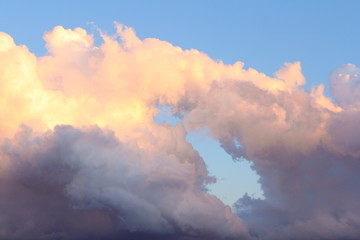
113	161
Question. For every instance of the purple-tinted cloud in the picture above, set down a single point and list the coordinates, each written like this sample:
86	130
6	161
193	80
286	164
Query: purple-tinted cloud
128	177
84	183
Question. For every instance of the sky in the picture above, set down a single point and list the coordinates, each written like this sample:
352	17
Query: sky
148	118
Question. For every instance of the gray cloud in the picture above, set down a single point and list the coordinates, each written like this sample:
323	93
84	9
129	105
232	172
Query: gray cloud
127	177
307	158
345	84
83	183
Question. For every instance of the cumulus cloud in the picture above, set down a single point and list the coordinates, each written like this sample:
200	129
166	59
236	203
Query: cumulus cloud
345	84
90	161
142	178
305	150
71	183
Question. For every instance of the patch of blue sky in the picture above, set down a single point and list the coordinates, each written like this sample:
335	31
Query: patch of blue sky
233	178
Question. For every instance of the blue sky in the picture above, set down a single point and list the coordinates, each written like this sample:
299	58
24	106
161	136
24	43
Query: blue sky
262	34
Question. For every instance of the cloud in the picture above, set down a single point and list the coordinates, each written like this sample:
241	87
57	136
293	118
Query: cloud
305	150
344	84
80	183
115	84
140	177
81	156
